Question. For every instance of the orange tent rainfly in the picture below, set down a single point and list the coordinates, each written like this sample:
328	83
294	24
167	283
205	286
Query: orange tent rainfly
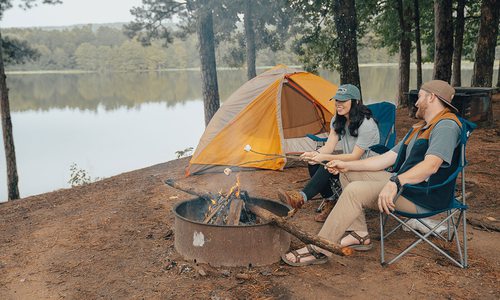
272	113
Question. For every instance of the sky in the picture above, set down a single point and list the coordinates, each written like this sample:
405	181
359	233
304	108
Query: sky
70	12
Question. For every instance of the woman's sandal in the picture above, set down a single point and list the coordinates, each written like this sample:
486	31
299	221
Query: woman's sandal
361	246
319	258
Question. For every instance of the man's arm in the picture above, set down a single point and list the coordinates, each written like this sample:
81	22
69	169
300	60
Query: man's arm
443	140
416	174
374	163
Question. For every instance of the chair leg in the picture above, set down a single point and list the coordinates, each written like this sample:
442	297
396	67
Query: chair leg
465	239
320	207
382	249
420	239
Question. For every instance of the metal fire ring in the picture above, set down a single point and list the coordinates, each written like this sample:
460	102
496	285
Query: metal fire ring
231	246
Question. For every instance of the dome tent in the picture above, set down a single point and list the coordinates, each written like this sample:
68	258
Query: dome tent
273	112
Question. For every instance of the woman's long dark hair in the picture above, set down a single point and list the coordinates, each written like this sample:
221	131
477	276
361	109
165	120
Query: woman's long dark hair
357	114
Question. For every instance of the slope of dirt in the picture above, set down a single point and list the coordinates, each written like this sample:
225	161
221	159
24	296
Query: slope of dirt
113	239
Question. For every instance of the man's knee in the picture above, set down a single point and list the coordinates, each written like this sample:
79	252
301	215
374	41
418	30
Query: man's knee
357	192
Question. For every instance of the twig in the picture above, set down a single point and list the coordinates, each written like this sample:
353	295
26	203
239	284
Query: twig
483	224
411	290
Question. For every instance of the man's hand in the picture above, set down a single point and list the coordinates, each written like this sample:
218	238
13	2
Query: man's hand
337	166
386	197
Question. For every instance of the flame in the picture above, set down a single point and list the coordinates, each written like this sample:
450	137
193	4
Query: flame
236	187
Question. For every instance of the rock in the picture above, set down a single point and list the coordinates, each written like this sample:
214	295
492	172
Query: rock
170	265
169	234
243	276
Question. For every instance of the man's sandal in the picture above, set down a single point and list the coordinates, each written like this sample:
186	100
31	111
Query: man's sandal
361	246
319	258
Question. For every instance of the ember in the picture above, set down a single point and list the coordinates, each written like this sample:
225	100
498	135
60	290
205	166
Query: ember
230	209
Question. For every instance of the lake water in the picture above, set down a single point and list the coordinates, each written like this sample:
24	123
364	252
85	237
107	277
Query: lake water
112	123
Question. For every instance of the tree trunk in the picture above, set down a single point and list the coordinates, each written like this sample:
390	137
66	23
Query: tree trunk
418	43
485	49
8	138
456	80
498	77
210	87
404	15
443	27
250	40
346	25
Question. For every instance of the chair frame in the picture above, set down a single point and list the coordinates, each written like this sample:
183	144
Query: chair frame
456	207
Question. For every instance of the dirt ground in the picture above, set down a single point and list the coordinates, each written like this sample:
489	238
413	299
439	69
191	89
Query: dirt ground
114	239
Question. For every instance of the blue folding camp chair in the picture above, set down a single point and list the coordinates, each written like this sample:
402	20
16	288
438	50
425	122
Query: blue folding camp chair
385	115
457	206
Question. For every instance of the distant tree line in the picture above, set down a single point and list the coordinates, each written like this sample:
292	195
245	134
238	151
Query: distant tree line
108	49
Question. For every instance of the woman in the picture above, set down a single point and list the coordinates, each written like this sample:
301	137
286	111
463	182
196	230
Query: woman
356	130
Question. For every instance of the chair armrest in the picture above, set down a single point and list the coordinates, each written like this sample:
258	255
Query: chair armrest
436	186
316	138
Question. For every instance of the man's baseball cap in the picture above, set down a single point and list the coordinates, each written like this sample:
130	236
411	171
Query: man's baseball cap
442	90
347	92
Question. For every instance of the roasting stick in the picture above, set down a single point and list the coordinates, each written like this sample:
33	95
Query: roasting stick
248	148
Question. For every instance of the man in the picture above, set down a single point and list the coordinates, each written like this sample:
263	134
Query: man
427	155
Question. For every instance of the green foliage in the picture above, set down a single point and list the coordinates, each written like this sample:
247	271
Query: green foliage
184	153
79	176
107	49
17	52
26	4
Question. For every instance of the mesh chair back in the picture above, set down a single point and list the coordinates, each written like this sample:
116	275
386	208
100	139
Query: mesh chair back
385	114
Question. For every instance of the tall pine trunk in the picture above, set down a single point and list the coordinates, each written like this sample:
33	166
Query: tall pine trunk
443	27
456	79
210	87
418	43
346	25
498	76
250	40
404	15
485	49
8	138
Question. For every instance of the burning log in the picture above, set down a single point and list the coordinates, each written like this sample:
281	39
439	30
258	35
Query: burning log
234	215
226	209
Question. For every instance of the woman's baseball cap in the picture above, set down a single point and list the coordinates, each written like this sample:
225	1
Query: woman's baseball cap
347	92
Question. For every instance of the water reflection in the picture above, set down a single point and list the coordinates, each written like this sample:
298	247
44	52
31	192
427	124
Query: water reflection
111	91
103	142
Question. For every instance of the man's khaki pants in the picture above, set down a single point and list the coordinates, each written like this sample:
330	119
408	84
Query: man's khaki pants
359	190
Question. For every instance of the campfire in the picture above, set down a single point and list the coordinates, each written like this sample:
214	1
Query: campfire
229	208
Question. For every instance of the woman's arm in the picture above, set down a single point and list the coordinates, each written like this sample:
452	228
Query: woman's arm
355	155
328	148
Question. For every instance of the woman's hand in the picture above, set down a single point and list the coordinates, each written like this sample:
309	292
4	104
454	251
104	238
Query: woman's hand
386	197
309	157
319	157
